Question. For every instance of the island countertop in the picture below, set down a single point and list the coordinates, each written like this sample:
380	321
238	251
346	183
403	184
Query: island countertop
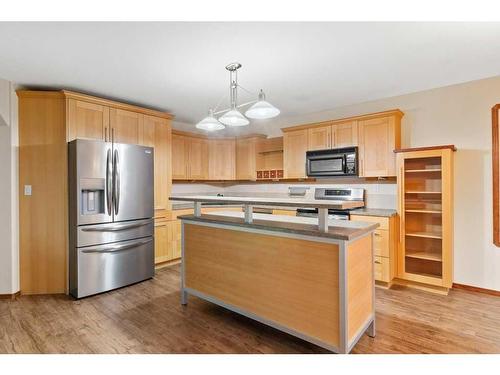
337	229
282	202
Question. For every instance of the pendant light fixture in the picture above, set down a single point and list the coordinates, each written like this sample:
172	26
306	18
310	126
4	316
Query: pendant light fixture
260	109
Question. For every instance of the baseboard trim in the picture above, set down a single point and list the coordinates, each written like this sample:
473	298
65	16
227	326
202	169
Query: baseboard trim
167	263
12	296
476	289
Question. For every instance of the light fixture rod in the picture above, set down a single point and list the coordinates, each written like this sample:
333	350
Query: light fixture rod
238	106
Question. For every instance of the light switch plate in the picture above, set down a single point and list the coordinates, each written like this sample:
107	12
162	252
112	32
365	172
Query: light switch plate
27	189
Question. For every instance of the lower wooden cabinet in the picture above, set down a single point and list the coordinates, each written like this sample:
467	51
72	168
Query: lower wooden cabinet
385	240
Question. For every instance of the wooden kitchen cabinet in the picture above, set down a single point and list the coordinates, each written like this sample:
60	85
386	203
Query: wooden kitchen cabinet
221	159
385	245
87	120
345	134
247	155
295	144
163	241
47	121
189	157
179	157
319	138
332	135
126	126
425	195
156	133
378	138
197	158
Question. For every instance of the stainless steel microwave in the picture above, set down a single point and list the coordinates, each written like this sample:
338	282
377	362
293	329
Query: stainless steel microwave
332	162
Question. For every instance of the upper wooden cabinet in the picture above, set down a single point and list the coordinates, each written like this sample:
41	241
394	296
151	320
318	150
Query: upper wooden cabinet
246	157
295	144
197	158
87	120
332	135
221	159
189	157
179	157
319	138
126	126
345	134
378	138
376	135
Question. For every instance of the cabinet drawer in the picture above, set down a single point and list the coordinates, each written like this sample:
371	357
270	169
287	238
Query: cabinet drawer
381	269
381	243
383	221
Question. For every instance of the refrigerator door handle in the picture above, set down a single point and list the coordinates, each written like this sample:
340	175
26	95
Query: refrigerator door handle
116	248
109	182
116	227
116	181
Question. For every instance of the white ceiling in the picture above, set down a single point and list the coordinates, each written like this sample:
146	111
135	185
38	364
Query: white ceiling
303	67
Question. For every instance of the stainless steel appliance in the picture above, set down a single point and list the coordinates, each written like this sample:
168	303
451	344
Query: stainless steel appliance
111	241
332	162
334	194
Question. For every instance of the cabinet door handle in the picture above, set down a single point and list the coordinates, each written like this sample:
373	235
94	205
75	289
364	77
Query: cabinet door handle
105	134
376	234
378	262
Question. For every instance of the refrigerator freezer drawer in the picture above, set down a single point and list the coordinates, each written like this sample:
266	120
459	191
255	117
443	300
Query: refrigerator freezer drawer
105	267
89	235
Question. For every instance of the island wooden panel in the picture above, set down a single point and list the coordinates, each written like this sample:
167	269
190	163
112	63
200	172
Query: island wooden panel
292	282
360	291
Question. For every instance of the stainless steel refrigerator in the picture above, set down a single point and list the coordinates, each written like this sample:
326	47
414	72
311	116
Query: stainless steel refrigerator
111	242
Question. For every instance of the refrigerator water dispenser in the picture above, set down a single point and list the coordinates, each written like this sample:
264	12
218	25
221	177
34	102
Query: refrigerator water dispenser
92	196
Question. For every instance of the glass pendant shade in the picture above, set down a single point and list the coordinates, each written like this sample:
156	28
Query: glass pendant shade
210	123
234	118
262	110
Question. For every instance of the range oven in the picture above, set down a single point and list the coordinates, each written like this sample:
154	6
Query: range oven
335	194
332	162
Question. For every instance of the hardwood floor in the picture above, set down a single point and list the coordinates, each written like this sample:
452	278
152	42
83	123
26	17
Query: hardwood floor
148	318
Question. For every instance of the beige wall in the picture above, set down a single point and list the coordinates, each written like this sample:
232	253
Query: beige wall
9	249
461	115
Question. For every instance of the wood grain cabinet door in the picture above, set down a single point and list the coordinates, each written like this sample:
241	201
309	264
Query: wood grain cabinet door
345	134
222	159
126	126
197	158
156	133
319	138
87	120
294	153
246	159
164	250
179	157
376	147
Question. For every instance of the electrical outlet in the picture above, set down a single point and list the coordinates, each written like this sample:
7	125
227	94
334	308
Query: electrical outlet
27	189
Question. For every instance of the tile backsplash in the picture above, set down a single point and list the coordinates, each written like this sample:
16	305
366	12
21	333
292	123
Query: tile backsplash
377	195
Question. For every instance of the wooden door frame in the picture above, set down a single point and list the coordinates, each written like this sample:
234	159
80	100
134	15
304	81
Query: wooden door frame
496	177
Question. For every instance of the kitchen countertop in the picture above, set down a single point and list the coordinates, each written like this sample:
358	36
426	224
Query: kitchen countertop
365	211
188	205
266	201
338	229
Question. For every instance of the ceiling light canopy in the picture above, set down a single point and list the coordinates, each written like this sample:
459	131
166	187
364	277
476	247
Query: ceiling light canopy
260	109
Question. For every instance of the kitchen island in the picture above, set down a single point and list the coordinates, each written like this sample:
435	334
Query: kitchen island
284	271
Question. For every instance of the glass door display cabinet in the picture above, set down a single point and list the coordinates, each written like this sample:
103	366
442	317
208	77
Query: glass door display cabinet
425	182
